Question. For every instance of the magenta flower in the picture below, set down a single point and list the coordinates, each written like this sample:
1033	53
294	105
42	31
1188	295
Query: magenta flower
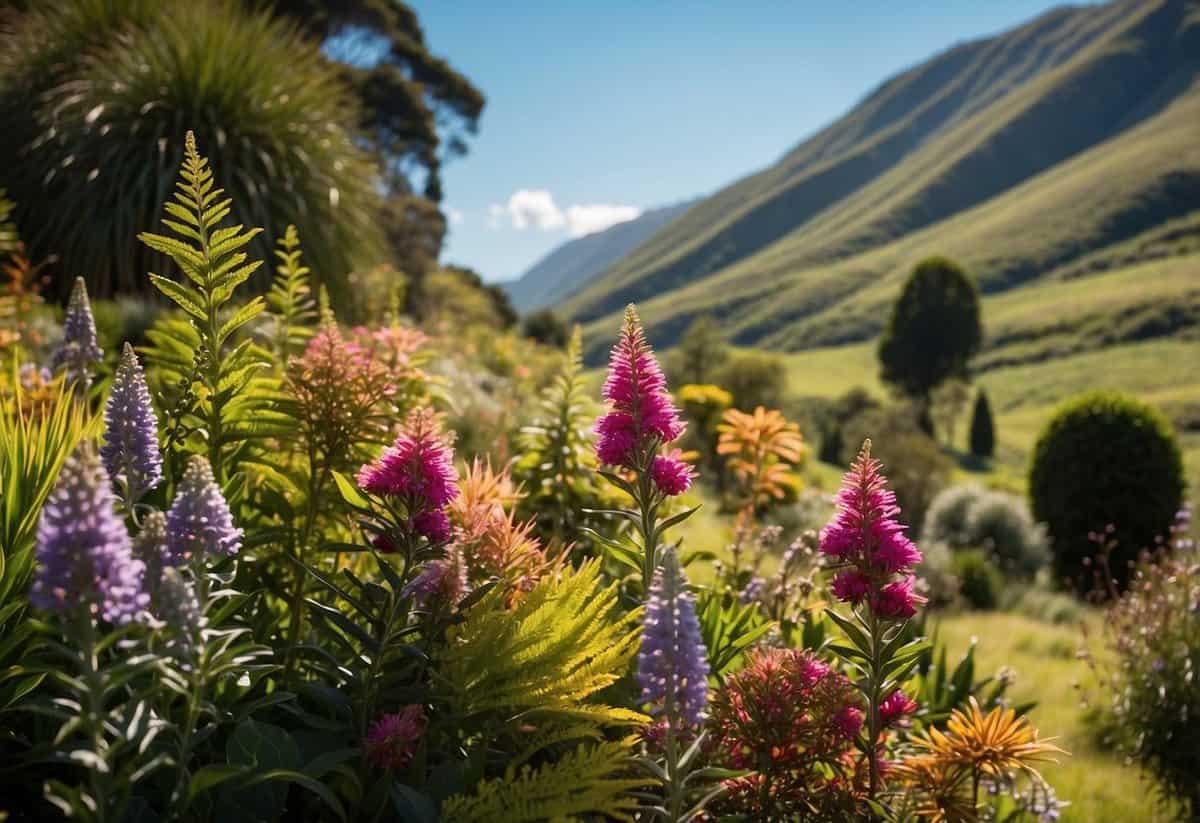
898	601
641	414
441	581
896	706
392	739
848	721
418	467
433	524
866	536
671	473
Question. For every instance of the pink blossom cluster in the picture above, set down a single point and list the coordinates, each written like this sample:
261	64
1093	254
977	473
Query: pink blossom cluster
418	468
392	739
869	542
641	414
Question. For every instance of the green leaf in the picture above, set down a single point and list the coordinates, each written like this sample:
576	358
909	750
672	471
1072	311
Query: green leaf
349	491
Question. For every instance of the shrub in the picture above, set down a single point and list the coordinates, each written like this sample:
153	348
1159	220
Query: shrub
980	583
983	430
946	520
700	354
754	379
1105	459
1001	524
1153	708
937	575
547	328
96	98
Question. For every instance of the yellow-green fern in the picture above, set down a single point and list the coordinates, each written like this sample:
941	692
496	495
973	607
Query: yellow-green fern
290	298
594	780
560	645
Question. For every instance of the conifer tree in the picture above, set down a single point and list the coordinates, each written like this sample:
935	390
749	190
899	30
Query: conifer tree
983	430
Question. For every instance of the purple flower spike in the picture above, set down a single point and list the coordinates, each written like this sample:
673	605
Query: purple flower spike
130	451
199	523
673	659
79	351
83	549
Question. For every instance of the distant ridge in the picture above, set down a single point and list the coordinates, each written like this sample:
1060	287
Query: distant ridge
570	266
1017	154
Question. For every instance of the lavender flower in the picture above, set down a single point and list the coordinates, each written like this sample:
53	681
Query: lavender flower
131	452
673	661
199	522
83	549
178	607
150	547
79	350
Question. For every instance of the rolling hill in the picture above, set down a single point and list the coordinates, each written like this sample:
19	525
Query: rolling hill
570	266
1054	160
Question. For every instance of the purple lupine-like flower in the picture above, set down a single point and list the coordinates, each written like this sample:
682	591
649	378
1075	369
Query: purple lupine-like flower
177	606
199	523
641	413
151	548
866	536
84	553
441	581
130	450
79	351
673	660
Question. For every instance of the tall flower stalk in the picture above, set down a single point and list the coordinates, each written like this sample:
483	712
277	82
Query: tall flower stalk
673	674
866	542
78	353
640	421
130	452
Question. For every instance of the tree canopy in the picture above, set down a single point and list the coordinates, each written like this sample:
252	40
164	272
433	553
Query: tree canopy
934	329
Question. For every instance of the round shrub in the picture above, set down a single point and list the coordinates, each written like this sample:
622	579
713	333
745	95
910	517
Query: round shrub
979	582
946	520
1105	459
936	573
97	97
1001	524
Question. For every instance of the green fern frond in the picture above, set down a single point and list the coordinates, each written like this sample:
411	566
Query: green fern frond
592	781
561	644
213	378
290	298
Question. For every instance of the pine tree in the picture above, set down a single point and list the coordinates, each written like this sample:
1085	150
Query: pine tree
983	431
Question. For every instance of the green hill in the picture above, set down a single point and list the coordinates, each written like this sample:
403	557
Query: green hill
1046	159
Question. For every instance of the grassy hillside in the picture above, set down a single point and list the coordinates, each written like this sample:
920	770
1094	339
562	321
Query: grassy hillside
569	267
1022	155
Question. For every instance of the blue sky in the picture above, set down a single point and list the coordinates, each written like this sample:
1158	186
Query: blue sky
599	109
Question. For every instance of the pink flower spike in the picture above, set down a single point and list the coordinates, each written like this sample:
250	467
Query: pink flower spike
851	586
898	601
671	474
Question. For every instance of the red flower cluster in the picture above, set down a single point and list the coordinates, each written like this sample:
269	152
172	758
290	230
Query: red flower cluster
793	720
866	537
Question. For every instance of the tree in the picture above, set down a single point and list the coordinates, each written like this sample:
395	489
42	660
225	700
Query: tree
700	354
983	432
933	332
947	403
417	109
754	378
546	327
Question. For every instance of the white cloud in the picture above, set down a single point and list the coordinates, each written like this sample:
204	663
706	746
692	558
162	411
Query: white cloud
535	208
454	216
583	220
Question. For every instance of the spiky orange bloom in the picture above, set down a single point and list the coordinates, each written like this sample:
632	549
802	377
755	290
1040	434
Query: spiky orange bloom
761	449
974	746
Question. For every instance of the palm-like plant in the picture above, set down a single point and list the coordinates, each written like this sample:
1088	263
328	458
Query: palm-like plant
97	96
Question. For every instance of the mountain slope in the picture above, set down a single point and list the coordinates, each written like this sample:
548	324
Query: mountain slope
1017	154
570	266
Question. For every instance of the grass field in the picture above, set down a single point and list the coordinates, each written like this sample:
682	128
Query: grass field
1100	787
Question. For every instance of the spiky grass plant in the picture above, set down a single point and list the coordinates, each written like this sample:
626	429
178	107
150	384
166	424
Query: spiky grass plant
98	95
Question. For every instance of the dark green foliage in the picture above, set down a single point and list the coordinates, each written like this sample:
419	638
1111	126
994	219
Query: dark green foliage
505	315
700	355
1105	459
983	430
416	109
851	404
754	379
979	581
547	328
934	329
97	95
